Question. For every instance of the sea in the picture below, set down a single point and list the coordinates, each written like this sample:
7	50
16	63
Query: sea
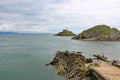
23	56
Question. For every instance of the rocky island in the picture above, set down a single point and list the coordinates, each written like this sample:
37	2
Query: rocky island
65	32
99	33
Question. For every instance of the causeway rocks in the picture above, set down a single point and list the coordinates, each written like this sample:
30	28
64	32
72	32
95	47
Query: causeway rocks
71	65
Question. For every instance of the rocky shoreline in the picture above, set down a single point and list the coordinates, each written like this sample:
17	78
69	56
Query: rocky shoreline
75	66
72	65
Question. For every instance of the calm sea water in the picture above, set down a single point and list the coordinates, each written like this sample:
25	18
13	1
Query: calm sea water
23	57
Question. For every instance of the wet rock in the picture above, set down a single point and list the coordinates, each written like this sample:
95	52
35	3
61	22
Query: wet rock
103	58
71	65
60	70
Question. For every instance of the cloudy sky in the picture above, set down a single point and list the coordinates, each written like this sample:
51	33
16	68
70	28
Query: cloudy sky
55	15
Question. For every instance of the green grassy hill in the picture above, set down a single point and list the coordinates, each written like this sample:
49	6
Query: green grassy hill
65	33
100	32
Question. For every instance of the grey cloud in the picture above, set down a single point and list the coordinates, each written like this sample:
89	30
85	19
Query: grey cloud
51	15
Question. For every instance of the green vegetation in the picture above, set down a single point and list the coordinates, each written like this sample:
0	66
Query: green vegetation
114	30
99	32
103	58
95	64
71	65
60	70
65	33
75	66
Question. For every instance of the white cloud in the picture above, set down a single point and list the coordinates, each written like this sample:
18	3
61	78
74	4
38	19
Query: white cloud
51	15
6	27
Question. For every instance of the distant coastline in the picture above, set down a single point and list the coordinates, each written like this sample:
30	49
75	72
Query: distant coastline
10	32
2	32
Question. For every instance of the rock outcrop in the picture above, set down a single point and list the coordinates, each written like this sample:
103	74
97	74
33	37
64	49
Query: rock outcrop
99	33
65	33
71	65
75	66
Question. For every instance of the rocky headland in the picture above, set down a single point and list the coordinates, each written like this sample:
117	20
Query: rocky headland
71	65
65	33
75	66
99	33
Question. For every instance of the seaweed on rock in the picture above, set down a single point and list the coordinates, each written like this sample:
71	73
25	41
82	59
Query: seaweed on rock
71	65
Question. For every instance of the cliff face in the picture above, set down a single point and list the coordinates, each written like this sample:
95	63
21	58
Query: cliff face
100	33
65	33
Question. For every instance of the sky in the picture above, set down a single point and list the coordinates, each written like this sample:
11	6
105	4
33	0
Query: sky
51	16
